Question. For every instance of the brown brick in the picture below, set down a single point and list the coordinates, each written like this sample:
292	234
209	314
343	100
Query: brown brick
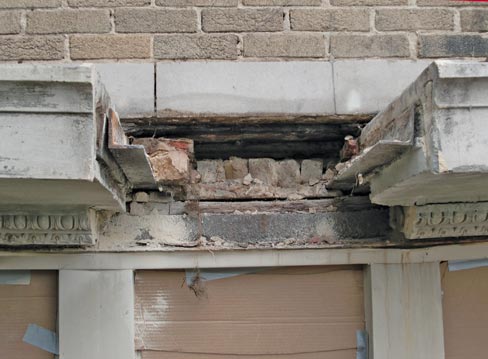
196	46
343	45
107	3
368	2
221	20
27	4
110	47
31	47
449	3
474	20
68	21
329	19
10	22
453	46
284	45
414	19
155	20
282	2
176	3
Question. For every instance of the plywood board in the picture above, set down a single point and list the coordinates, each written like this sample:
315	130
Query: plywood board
301	313
465	303
21	305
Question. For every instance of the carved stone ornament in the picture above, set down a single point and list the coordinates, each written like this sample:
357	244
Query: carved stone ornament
441	220
73	229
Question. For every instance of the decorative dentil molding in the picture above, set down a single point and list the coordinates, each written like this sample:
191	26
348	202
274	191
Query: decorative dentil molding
441	220
69	229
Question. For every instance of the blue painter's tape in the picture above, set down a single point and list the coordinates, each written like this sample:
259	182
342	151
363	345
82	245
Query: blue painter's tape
462	265
213	274
42	338
362	344
15	277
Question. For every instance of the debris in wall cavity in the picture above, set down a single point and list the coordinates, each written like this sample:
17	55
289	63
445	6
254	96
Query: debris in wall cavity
260	178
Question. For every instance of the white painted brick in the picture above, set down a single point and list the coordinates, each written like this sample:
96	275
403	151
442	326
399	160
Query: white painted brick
368	86
130	86
245	87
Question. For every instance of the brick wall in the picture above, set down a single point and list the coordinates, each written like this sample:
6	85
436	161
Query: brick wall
239	29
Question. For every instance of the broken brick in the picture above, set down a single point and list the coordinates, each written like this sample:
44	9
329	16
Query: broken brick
170	158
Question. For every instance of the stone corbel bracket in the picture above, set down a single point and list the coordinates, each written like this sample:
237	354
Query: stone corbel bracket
429	145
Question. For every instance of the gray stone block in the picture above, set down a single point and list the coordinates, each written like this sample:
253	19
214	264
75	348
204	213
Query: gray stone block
244	88
131	87
366	86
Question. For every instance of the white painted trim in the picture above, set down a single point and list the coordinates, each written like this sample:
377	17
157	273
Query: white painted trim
96	314
239	258
406	316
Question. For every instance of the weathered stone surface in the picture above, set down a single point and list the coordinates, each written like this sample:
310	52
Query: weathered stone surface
453	46
206	87
282	2
107	3
68	21
264	169
196	46
255	189
110	47
353	80
348	46
288	173
439	110
141	197
175	3
329	20
414	19
119	80
152	229
236	168
281	45
22	4
369	2
10	22
449	3
170	159
47	229
31	48
311	171
211	171
474	20
442	220
222	20
319	228
155	20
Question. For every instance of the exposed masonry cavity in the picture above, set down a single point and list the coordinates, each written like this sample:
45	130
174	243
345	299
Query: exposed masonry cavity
246	201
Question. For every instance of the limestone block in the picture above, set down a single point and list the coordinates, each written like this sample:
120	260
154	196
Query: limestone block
236	168
265	170
311	171
288	173
211	171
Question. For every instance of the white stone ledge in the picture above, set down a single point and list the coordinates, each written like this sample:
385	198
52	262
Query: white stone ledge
182	259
